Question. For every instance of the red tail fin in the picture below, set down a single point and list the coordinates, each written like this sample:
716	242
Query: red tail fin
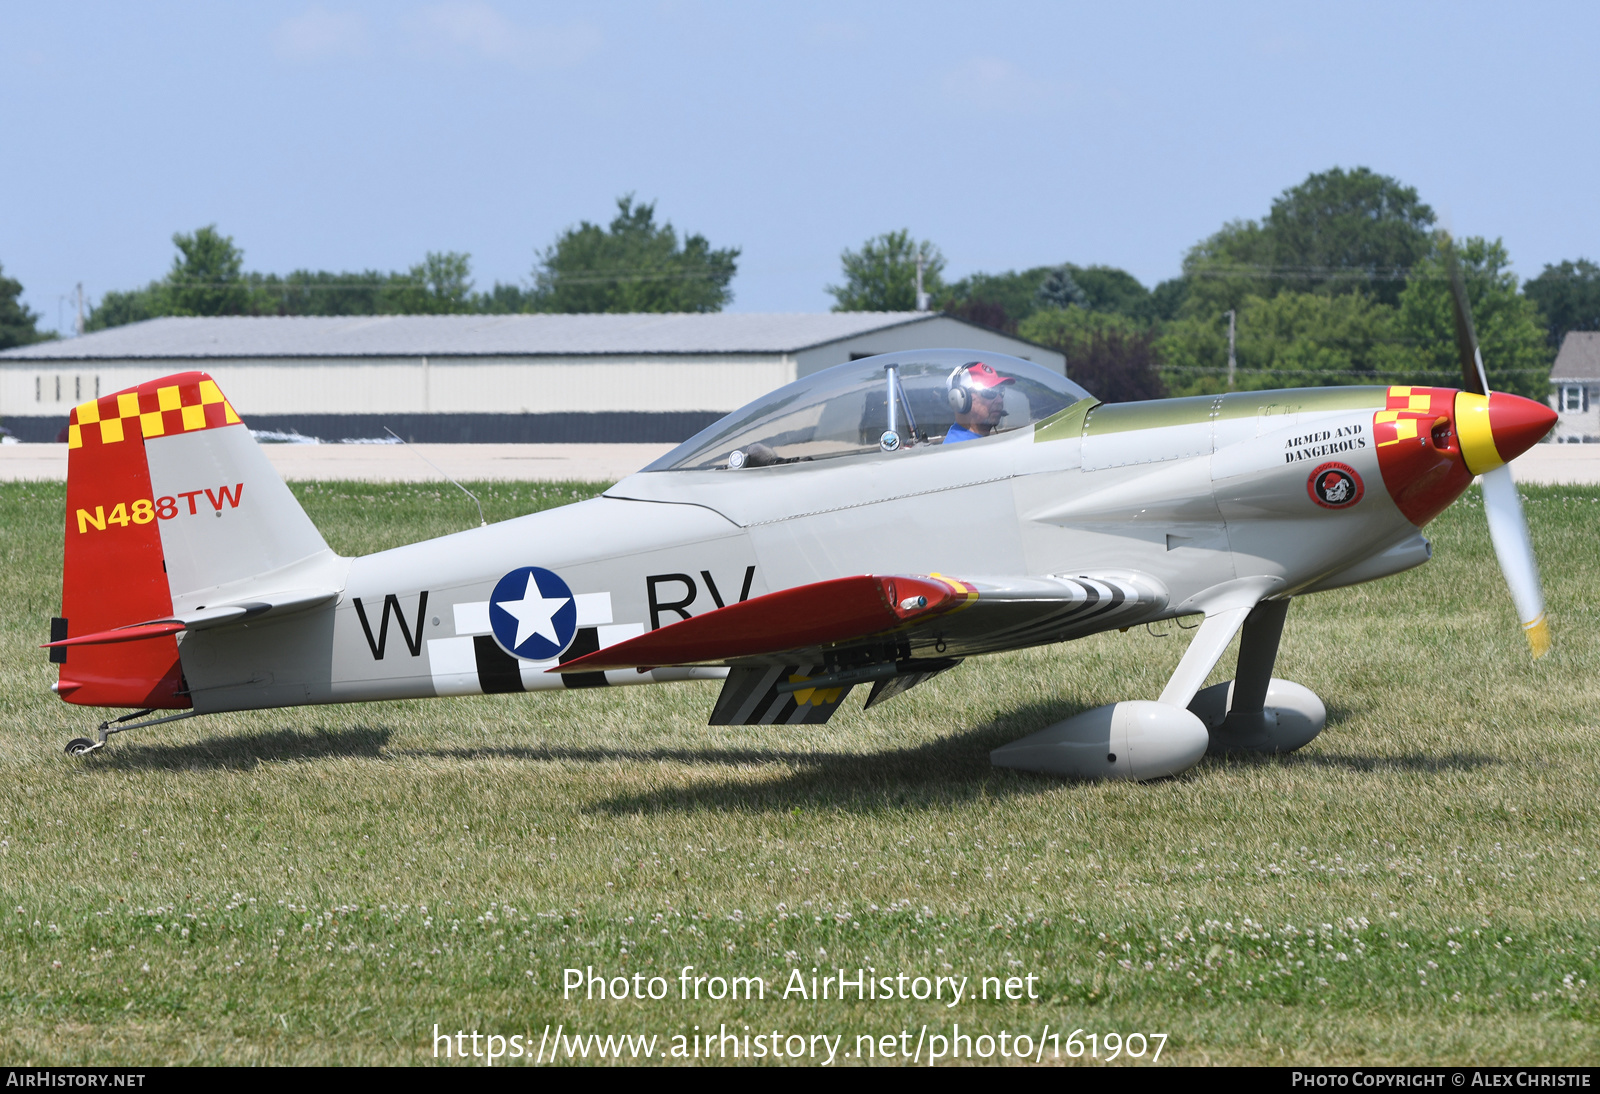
114	572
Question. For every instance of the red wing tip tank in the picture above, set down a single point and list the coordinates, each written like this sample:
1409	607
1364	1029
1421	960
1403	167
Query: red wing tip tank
872	525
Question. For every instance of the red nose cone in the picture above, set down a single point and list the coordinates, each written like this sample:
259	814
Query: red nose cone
1517	423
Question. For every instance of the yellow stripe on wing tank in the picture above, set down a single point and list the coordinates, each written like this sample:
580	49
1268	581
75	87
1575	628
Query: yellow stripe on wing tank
968	594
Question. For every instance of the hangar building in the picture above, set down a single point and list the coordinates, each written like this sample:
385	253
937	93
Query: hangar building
475	378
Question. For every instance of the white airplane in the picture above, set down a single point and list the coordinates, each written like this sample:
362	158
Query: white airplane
873	524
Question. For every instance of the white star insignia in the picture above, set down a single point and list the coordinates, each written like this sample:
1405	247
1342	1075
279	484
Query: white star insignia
535	614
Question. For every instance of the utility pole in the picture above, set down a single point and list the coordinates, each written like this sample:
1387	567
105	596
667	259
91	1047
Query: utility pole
79	327
922	297
1230	349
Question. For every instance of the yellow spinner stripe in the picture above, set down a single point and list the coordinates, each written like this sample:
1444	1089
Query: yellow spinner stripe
1477	439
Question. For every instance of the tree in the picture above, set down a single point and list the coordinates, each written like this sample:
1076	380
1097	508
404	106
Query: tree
1164	302
207	279
319	292
206	276
633	265
1115	357
120	308
1511	332
1350	231
441	284
1005	300
18	322
1338	231
1106	288
1293	339
1060	289
1569	296
1224	268
999	301
882	276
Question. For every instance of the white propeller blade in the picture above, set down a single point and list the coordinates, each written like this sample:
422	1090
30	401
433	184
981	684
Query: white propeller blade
1509	531
1508	528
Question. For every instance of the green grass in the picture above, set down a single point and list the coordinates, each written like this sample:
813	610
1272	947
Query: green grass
324	885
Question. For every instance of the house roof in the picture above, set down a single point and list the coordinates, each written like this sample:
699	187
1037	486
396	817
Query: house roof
465	335
1579	358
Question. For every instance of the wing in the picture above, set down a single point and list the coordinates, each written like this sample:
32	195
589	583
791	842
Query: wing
855	629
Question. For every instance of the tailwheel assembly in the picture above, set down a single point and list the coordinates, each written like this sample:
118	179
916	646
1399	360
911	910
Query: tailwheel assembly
82	746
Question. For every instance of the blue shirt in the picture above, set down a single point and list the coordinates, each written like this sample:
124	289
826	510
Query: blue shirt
958	434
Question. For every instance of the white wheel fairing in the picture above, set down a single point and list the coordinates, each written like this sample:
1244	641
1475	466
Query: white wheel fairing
1292	717
1138	740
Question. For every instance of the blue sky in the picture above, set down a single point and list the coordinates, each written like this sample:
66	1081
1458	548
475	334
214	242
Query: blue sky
352	136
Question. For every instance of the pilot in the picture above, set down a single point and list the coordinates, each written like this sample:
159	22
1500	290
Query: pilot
976	397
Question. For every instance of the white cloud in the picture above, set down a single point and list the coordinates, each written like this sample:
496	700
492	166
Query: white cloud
474	27
318	34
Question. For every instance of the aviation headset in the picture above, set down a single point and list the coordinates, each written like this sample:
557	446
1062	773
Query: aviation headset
956	389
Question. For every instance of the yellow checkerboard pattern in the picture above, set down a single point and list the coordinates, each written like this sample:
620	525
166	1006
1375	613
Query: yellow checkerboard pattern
157	409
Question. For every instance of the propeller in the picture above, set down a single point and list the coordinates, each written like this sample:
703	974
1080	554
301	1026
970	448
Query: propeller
1489	424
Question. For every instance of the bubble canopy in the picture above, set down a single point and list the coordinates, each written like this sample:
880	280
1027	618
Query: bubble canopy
847	410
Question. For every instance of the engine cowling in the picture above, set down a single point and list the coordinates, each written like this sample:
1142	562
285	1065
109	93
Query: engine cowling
1137	740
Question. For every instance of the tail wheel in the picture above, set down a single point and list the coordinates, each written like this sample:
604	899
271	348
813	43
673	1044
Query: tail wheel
79	746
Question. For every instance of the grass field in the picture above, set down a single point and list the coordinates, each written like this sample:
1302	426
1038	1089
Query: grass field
325	885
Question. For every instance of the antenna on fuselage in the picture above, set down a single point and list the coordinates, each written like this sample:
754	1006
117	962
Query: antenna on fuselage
481	522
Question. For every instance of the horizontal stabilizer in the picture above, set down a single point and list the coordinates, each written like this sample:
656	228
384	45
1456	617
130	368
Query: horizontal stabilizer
275	604
121	634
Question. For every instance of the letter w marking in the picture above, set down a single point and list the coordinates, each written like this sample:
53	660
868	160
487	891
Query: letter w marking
413	639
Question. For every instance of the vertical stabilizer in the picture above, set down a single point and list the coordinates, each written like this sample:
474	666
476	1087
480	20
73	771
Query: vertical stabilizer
171	507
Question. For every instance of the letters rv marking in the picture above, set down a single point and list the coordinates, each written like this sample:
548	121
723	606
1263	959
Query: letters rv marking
681	606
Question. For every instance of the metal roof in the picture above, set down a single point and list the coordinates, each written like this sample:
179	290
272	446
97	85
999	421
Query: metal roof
1579	358
465	335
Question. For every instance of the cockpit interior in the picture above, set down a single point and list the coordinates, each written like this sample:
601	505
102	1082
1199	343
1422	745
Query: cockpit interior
893	404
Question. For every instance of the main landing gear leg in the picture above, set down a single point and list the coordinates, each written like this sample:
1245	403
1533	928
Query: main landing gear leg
82	746
1254	712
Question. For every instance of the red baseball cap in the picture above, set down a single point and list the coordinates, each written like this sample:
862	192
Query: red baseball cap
982	377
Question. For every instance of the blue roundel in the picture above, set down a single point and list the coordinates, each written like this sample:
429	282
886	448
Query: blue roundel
533	614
